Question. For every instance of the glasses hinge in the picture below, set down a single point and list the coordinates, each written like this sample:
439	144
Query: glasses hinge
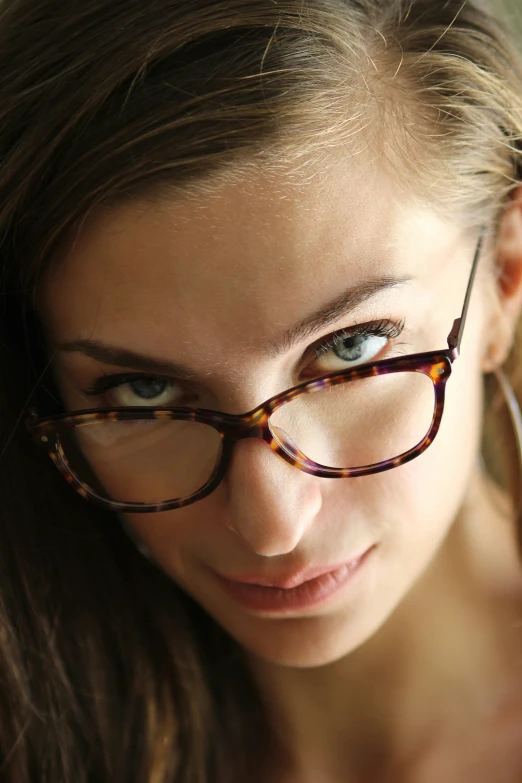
453	339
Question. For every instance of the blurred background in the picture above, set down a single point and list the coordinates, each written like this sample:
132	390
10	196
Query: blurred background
512	11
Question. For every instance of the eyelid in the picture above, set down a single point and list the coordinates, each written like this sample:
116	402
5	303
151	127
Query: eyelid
389	327
108	382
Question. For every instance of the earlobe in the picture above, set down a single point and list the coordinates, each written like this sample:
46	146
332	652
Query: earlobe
508	299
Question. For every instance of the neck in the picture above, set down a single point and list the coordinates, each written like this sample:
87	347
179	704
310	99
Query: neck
445	654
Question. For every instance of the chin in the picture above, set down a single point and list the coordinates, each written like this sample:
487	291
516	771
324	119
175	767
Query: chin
305	642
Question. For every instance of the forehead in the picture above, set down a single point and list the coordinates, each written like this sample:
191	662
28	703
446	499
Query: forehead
239	264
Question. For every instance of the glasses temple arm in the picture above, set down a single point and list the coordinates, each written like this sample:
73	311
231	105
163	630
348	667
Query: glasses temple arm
455	336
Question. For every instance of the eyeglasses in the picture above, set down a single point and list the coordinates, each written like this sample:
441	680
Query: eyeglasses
360	421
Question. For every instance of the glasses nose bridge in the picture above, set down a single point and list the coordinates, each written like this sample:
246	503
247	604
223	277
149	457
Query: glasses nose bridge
257	428
260	429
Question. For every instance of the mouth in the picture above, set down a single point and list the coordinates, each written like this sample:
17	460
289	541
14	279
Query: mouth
301	591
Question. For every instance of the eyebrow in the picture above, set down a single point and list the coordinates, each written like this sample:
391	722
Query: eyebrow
341	306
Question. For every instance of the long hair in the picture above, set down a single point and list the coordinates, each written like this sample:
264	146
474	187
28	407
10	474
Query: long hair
108	670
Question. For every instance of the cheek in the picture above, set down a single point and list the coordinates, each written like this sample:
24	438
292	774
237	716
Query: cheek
179	541
425	495
160	538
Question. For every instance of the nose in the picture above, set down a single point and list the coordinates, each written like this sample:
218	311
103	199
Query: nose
270	503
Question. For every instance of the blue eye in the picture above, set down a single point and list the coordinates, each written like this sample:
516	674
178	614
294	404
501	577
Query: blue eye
357	345
350	349
132	390
148	388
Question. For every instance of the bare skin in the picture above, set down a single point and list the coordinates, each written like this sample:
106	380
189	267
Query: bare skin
422	702
410	672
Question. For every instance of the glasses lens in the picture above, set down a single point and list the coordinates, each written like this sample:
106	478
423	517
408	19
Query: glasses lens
358	423
142	461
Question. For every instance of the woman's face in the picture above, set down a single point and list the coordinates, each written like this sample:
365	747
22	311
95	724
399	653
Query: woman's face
214	285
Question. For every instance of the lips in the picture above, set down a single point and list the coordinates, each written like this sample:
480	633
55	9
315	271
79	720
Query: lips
294	579
307	592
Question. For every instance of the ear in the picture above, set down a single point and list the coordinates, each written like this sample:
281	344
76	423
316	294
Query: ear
507	303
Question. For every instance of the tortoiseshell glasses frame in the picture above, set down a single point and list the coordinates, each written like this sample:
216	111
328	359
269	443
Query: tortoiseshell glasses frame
437	365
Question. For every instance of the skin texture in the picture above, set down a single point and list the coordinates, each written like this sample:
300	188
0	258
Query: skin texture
366	685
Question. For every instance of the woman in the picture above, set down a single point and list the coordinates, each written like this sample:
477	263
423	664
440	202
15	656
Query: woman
205	205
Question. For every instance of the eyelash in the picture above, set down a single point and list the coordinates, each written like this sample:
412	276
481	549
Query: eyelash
385	328
109	382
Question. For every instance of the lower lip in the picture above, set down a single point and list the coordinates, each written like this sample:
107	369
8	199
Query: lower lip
305	596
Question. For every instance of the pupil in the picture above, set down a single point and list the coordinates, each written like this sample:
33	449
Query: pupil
148	388
350	349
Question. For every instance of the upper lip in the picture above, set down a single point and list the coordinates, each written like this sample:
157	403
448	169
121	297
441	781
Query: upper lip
291	579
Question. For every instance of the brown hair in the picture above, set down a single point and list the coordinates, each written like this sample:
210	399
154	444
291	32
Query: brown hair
108	670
